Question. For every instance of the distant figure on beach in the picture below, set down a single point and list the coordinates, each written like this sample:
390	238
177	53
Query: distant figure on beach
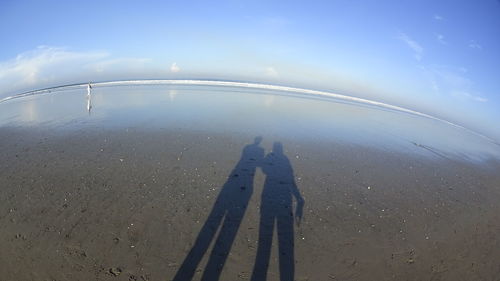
276	209
89	100
228	211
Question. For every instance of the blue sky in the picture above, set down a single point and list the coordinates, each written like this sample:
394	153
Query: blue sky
438	57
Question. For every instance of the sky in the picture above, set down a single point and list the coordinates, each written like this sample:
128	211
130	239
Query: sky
437	57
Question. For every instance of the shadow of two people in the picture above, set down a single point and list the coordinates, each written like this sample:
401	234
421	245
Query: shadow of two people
229	209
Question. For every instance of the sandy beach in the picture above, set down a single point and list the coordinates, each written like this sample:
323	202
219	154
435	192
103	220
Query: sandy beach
162	183
130	204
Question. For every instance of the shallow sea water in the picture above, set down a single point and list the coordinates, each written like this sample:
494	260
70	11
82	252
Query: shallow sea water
239	110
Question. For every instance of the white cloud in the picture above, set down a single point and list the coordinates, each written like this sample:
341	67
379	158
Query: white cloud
474	45
174	68
452	81
30	68
122	63
48	66
440	38
468	96
412	44
438	17
480	99
434	85
271	71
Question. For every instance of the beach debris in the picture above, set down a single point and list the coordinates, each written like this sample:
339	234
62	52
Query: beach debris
369	187
243	275
410	261
115	271
20	236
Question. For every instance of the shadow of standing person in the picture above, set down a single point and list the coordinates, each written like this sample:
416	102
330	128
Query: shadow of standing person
228	210
276	207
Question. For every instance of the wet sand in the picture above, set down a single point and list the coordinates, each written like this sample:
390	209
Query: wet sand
132	203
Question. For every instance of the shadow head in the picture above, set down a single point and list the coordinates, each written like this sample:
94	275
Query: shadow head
278	147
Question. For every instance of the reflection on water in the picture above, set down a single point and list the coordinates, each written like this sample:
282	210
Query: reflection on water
252	111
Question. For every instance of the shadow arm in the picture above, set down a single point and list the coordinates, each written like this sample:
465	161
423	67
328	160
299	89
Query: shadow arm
300	203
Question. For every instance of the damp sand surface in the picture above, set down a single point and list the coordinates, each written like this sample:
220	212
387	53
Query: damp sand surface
130	204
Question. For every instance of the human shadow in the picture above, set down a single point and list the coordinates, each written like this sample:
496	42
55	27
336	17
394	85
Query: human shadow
228	211
276	208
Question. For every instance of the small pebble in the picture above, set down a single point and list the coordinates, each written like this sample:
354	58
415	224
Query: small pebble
115	271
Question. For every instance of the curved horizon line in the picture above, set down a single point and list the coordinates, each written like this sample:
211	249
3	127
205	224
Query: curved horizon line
249	85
